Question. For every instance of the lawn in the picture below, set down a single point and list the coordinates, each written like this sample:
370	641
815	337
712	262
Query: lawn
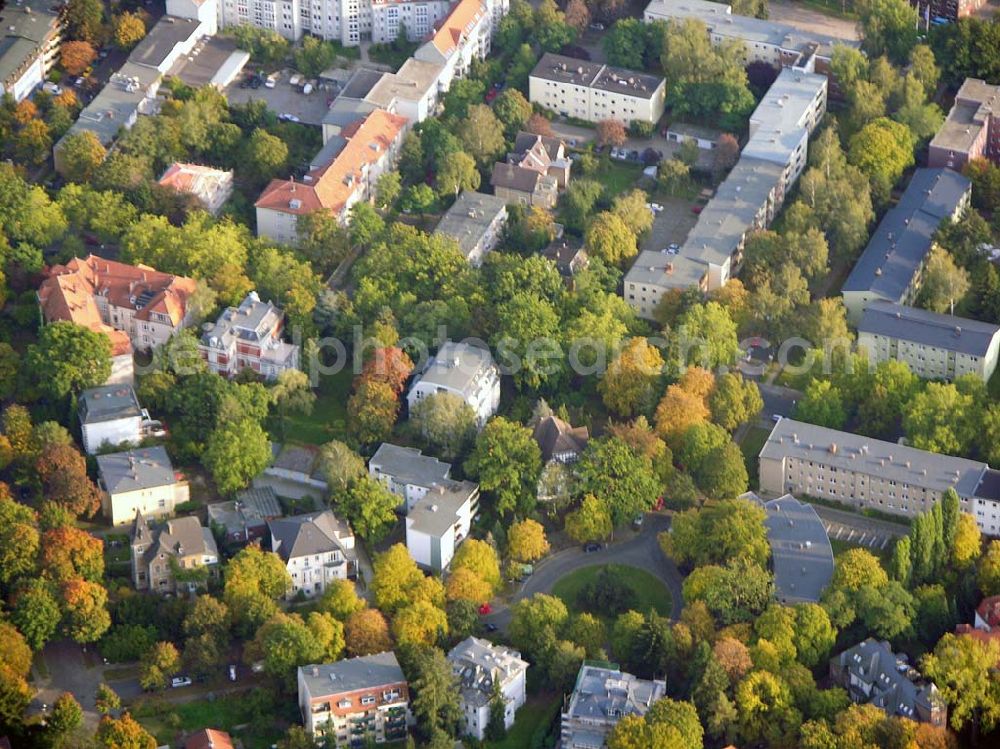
617	176
328	419
164	719
649	592
533	722
753	442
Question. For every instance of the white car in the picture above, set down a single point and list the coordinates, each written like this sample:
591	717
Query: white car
656	207
288	117
232	673
180	681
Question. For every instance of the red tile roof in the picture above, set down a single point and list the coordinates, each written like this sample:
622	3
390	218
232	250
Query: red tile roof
209	738
331	186
69	290
463	16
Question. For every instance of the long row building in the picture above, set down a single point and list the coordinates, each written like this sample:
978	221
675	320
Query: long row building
747	200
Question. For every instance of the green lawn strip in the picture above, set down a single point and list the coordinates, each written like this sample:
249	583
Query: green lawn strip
328	419
753	442
650	593
617	177
223	713
532	722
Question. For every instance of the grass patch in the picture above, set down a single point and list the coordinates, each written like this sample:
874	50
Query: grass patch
117	549
328	419
649	592
752	444
165	719
617	176
533	723
393	54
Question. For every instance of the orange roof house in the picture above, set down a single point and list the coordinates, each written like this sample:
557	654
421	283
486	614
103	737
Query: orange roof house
108	297
457	24
211	186
209	738
344	180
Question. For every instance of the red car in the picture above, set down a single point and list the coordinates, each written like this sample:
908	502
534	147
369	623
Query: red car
491	95
696	209
485	610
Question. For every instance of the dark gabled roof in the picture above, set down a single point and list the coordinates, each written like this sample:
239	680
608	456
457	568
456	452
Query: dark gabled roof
555	436
947	332
514	177
902	240
301	535
525	141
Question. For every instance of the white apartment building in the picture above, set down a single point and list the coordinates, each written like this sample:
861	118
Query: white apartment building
467	371
748	199
437	524
317	549
140	480
248	337
480	666
464	35
110	415
349	22
29	47
594	92
602	696
355	699
406	472
805	459
936	347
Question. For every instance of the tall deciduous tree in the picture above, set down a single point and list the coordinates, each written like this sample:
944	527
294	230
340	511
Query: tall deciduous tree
68	358
507	463
624	481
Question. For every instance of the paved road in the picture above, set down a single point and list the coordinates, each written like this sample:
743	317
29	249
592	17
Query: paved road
641	550
778	400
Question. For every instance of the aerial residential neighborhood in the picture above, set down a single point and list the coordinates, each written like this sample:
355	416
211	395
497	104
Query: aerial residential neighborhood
500	374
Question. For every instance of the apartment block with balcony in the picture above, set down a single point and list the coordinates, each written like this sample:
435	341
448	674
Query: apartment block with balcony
29	47
355	700
406	472
972	130
934	346
865	473
437	524
248	337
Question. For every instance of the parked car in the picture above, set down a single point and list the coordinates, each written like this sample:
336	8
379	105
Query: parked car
271	81
485	609
288	117
307	89
696	209
597	27
591	547
673	247
180	681
232	672
296	79
490	627
637	521
53	88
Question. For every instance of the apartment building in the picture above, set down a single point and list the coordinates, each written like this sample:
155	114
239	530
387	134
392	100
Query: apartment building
411	92
947	10
805	459
475	221
603	695
481	668
317	549
463	369
871	673
179	555
891	267
438	523
406	472
29	47
139	481
343	174
765	41
934	346
248	337
971	131
110	415
355	700
747	200
594	92
211	187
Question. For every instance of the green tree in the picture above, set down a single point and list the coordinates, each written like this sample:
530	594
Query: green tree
68	358
292	395
123	733
372	410
945	284
267	154
536	624
436	695
888	27
254	580
446	421
939	419
705	335
482	134
457	172
766	709
624	481
883	150
369	507
512	109
733	528
36	612
235	452
610	238
340	466
84	19
962	667
314	56
66	716
822	404
591	521
106	699
723	474
157	665
735	401
81	154
507	463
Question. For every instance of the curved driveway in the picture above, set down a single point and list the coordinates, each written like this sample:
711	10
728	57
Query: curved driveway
641	550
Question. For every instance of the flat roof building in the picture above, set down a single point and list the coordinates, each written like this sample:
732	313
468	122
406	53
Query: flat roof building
475	221
29	46
466	370
406	472
805	459
971	130
595	92
935	346
603	695
110	415
440	521
892	264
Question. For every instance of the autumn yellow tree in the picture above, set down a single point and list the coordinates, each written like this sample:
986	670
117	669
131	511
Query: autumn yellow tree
679	410
629	383
25	112
366	632
465	585
698	381
591	521
420	624
398	582
968	542
481	558
129	30
526	541
76	56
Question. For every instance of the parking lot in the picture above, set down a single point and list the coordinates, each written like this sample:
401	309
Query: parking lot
284	99
671	225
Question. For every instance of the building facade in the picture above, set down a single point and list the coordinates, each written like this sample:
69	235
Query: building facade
871	673
464	370
343	174
945	10
934	346
179	555
317	549
29	47
891	267
248	337
594	92
481	668
110	415
971	130
406	472
355	699
437	524
805	459
139	481
603	695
